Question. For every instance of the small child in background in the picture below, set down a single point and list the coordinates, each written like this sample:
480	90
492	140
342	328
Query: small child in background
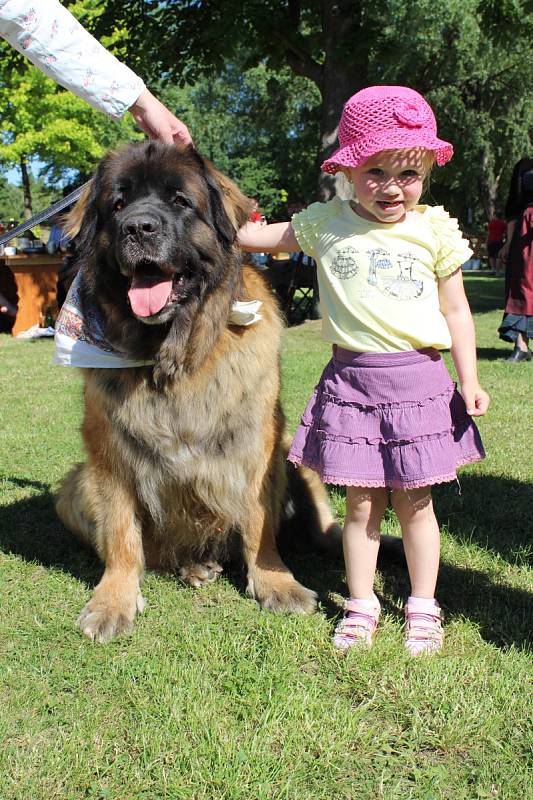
496	231
385	420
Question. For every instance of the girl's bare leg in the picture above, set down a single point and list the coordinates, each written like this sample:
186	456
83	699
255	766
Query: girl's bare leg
421	538
364	512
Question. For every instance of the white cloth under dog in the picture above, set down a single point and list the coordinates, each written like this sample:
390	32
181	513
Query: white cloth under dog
80	339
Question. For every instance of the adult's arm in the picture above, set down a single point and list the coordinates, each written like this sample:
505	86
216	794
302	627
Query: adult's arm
47	33
504	252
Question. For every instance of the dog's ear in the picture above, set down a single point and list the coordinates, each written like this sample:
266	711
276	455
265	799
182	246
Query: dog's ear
229	206
238	207
80	222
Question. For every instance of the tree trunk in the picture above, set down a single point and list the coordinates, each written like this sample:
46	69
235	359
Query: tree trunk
343	32
337	87
341	24
488	186
26	188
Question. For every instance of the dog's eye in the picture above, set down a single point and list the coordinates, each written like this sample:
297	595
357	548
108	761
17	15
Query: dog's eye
180	200
118	205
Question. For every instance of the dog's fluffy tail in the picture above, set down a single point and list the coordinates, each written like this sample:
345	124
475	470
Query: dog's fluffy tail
308	513
309	519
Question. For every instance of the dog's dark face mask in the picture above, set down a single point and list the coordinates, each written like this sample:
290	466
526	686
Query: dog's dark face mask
157	242
163	230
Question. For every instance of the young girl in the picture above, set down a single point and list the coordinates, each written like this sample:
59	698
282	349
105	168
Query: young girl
385	419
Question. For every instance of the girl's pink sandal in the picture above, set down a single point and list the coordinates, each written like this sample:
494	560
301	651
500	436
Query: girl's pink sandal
423	629
358	624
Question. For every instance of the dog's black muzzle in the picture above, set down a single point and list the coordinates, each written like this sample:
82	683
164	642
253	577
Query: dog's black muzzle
142	225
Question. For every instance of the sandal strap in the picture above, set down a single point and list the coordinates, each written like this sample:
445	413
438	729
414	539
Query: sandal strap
361	606
425	628
422	619
366	621
358	624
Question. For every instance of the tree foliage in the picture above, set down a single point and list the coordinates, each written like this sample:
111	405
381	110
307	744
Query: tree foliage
259	126
12	198
40	120
261	84
476	70
470	57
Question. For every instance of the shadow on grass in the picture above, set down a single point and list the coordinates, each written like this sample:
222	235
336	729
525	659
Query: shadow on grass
491	513
31	529
494	353
485	293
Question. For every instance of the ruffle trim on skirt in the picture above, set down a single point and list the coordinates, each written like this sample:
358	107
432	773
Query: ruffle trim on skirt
388	483
351	422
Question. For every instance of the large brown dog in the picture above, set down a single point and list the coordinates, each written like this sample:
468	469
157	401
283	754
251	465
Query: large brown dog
185	455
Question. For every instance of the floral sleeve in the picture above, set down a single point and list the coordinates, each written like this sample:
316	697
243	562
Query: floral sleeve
53	40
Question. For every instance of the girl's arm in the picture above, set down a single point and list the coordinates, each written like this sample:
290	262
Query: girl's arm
454	306
276	238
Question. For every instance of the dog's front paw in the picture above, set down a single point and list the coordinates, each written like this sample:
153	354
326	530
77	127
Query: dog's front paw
280	592
100	621
198	575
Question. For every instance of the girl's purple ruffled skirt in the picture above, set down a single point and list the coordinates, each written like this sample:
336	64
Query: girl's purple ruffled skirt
386	419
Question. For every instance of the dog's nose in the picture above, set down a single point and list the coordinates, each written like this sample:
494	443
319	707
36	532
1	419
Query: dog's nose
141	225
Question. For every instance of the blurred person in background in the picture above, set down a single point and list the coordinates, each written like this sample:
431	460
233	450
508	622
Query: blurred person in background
517	254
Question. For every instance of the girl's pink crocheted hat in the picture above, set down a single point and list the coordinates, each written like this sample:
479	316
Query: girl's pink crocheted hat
385	118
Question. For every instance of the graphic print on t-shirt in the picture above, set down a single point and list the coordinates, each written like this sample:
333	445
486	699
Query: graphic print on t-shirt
404	287
379	259
345	264
391	274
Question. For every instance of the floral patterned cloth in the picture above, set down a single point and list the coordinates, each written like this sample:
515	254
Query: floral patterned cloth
80	336
53	40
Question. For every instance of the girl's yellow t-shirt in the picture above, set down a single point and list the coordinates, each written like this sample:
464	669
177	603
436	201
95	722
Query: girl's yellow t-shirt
378	282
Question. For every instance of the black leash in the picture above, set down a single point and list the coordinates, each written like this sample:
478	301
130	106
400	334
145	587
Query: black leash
42	215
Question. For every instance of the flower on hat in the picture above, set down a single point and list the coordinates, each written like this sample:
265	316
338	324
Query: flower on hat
409	114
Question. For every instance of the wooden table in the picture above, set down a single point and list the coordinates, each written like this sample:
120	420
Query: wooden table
36	284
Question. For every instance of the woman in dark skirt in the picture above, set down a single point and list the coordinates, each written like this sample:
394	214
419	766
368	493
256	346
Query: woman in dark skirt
517	322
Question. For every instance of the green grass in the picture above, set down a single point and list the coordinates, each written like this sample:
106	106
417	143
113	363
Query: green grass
211	698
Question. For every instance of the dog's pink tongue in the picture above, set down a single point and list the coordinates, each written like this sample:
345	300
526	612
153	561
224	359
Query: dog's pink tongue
148	295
